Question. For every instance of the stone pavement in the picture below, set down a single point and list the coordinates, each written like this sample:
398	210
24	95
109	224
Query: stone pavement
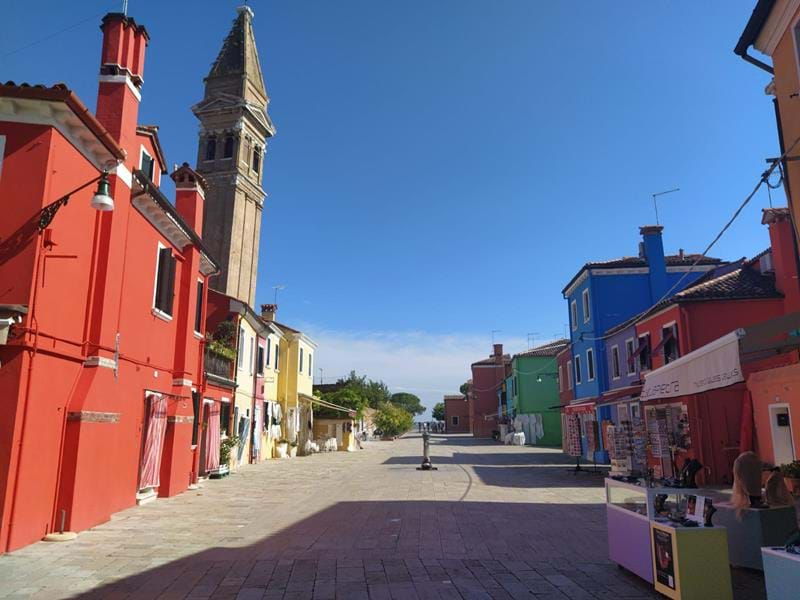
493	522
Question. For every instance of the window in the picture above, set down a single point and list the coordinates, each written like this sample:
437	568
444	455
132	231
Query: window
569	374
670	336
260	359
309	364
630	351
615	362
147	165
198	308
196	413
577	370
454	419
301	360
269	350
251	357
224	418
590	364
277	354
165	281
256	160
227	149
586	313
241	347
560	379
645	362
573	311
211	148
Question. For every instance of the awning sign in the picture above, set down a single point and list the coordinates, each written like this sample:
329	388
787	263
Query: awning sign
715	365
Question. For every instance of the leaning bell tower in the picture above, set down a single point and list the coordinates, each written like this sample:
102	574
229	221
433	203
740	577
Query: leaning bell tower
234	128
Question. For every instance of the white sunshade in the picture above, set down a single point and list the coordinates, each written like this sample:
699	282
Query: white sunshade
715	365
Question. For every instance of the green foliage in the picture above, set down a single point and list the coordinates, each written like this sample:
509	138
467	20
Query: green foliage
408	402
791	470
222	342
464	389
348	397
220	349
225	447
393	420
374	392
438	411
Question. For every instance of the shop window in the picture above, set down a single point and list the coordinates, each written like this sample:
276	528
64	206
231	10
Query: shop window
645	360
211	148
165	281
224	418
569	374
590	364
573	312
630	351
577	370
670	337
615	362
196	412
586	312
227	149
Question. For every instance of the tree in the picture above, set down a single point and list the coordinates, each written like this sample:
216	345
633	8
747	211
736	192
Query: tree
408	402
375	392
348	398
393	420
464	389
438	411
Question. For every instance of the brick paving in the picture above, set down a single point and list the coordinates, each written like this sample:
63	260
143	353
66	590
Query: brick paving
493	522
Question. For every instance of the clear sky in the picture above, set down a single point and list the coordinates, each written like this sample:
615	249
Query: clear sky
442	169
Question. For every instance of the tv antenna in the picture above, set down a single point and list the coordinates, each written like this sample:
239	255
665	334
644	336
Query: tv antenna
655	200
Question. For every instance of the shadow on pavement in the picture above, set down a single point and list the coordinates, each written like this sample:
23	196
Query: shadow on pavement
410	549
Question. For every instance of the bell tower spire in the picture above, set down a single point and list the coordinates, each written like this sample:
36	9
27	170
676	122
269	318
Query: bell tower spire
234	129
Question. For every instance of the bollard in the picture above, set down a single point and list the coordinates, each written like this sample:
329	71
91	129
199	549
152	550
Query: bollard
426	458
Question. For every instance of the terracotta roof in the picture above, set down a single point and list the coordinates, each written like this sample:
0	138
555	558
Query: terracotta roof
455	397
61	93
551	349
490	360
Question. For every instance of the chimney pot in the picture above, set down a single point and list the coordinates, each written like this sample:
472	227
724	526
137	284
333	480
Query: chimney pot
268	311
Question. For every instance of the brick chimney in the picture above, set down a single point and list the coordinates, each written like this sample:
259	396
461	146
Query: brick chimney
121	77
784	255
268	311
498	353
190	193
653	253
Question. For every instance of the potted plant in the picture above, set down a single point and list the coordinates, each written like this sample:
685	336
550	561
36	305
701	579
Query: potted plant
225	448
791	473
293	449
283	448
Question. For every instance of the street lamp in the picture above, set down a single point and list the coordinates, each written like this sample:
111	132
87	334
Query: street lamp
102	199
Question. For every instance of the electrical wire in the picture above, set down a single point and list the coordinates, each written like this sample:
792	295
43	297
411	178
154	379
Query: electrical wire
52	35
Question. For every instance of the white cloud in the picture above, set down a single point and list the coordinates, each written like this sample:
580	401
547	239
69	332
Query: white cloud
428	365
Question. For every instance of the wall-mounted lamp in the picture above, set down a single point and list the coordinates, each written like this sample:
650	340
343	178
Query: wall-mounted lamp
102	200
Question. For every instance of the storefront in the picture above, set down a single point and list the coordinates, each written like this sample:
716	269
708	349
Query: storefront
581	430
623	430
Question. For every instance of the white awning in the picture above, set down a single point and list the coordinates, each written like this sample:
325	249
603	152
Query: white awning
715	365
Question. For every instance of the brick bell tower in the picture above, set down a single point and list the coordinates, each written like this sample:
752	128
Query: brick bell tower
234	128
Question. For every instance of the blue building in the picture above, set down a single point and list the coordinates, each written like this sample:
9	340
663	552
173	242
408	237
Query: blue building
602	295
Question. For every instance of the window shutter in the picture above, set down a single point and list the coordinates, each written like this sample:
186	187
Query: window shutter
169	294
198	314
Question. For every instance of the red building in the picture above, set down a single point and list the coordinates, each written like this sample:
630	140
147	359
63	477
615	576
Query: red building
457	409
566	392
708	426
487	381
104	295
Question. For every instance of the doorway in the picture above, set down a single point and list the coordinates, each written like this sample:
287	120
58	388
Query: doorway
781	426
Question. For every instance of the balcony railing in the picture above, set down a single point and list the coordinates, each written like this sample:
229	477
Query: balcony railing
218	365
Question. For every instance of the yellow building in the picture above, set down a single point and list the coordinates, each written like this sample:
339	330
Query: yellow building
267	388
294	381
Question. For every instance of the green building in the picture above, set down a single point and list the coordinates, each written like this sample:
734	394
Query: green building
534	394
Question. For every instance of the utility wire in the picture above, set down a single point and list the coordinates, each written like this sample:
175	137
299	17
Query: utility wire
52	35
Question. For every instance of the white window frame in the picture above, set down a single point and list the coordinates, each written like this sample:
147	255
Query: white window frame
630	345
252	356
615	355
591	372
573	313
309	364
155	310
300	360
2	152
142	152
240	349
649	349
578	379
585	305
569	374
202	305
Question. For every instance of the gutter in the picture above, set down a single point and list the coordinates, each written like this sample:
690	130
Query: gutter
751	31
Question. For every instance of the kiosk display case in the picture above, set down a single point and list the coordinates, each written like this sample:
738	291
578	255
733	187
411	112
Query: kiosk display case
781	573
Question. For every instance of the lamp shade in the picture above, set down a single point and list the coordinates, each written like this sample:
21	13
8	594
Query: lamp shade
102	200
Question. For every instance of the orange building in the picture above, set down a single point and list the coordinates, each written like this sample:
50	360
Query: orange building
101	304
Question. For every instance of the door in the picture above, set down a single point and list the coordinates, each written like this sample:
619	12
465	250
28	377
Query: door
156	426
781	426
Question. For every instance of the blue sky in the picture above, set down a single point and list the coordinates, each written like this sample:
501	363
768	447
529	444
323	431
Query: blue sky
442	169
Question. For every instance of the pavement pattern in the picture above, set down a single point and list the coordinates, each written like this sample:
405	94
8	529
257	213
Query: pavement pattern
492	522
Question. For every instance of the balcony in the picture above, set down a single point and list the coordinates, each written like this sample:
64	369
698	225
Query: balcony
218	366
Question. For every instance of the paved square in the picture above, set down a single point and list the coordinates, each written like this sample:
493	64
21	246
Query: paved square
493	522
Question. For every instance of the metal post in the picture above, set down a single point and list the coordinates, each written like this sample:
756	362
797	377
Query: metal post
426	458
63	520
